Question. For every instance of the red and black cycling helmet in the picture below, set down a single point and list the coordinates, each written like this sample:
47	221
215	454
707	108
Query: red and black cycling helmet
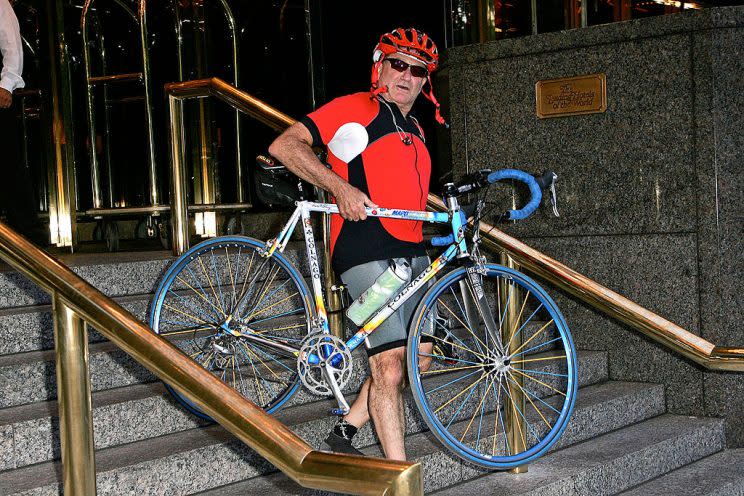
413	43
410	42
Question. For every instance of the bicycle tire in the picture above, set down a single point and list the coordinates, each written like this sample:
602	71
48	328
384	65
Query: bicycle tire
204	285
476	431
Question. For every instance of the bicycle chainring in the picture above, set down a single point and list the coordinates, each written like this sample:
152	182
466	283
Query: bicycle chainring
320	347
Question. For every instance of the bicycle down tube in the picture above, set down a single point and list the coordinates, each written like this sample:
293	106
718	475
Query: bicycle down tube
302	212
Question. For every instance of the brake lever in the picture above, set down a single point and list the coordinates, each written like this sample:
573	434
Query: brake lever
554	196
547	182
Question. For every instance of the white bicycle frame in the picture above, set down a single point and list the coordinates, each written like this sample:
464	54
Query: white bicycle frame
457	248
303	211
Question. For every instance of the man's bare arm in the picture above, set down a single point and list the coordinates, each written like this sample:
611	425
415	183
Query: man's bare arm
292	148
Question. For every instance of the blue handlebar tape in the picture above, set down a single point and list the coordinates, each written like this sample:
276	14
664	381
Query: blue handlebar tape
450	238
530	181
442	240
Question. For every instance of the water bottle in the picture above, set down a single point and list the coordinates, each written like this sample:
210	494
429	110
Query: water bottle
384	288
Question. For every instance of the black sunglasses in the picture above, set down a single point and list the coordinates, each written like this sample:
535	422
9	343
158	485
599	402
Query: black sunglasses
401	66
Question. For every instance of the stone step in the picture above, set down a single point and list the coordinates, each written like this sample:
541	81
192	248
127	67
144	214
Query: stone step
598	410
721	474
25	309
30	433
156	416
114	275
610	463
27	329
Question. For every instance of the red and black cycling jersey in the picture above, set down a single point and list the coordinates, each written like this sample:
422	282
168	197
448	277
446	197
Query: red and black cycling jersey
367	145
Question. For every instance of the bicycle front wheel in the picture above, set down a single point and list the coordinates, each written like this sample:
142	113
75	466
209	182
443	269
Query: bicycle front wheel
497	399
237	313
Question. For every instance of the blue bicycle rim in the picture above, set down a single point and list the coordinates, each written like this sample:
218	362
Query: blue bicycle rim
551	347
247	246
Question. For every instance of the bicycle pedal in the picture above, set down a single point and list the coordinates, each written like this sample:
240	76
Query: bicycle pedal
338	411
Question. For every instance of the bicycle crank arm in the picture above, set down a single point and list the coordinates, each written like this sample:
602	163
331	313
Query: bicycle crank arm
343	406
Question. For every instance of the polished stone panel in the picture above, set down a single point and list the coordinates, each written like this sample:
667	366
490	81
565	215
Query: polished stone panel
651	192
658	272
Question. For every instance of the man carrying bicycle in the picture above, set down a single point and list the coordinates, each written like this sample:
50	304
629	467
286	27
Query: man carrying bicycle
378	156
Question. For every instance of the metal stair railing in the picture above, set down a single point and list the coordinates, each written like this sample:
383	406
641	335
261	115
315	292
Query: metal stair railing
609	302
76	304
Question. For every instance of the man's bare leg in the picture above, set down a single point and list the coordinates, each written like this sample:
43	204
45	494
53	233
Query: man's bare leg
359	413
386	401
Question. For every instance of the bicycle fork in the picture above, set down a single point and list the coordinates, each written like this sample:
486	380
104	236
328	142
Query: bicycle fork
476	303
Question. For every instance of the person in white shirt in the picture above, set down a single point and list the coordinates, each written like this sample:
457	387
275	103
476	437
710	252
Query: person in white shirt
12	54
17	196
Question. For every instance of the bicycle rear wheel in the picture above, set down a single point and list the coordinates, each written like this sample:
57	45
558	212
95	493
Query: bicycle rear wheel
229	308
473	386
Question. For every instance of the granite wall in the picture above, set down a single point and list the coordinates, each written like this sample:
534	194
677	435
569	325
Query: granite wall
651	191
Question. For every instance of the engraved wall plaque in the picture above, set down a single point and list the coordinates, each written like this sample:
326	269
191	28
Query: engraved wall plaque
571	96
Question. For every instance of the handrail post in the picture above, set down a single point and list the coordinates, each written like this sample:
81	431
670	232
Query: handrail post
514	405
179	191
73	393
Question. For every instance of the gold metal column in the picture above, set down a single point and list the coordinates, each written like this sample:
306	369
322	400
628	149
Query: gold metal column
73	392
62	189
179	191
511	298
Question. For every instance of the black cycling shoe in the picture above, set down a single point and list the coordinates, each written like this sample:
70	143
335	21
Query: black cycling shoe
338	444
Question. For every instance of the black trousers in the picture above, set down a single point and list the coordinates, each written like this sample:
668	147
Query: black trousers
17	195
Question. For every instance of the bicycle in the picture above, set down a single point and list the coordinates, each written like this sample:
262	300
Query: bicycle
241	309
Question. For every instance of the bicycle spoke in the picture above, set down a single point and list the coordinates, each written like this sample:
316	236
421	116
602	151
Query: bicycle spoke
539	359
539	382
467	327
431	372
465	376
232	281
262	363
515	416
194	318
456	346
462	310
532	403
209	280
460	393
533	337
218	279
457	412
524	324
518	320
536	347
289	312
257	312
262	292
198	293
498	415
193	330
259	388
431	355
479	407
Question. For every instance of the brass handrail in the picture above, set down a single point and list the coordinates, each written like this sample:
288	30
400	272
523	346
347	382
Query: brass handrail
239	99
75	299
609	302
